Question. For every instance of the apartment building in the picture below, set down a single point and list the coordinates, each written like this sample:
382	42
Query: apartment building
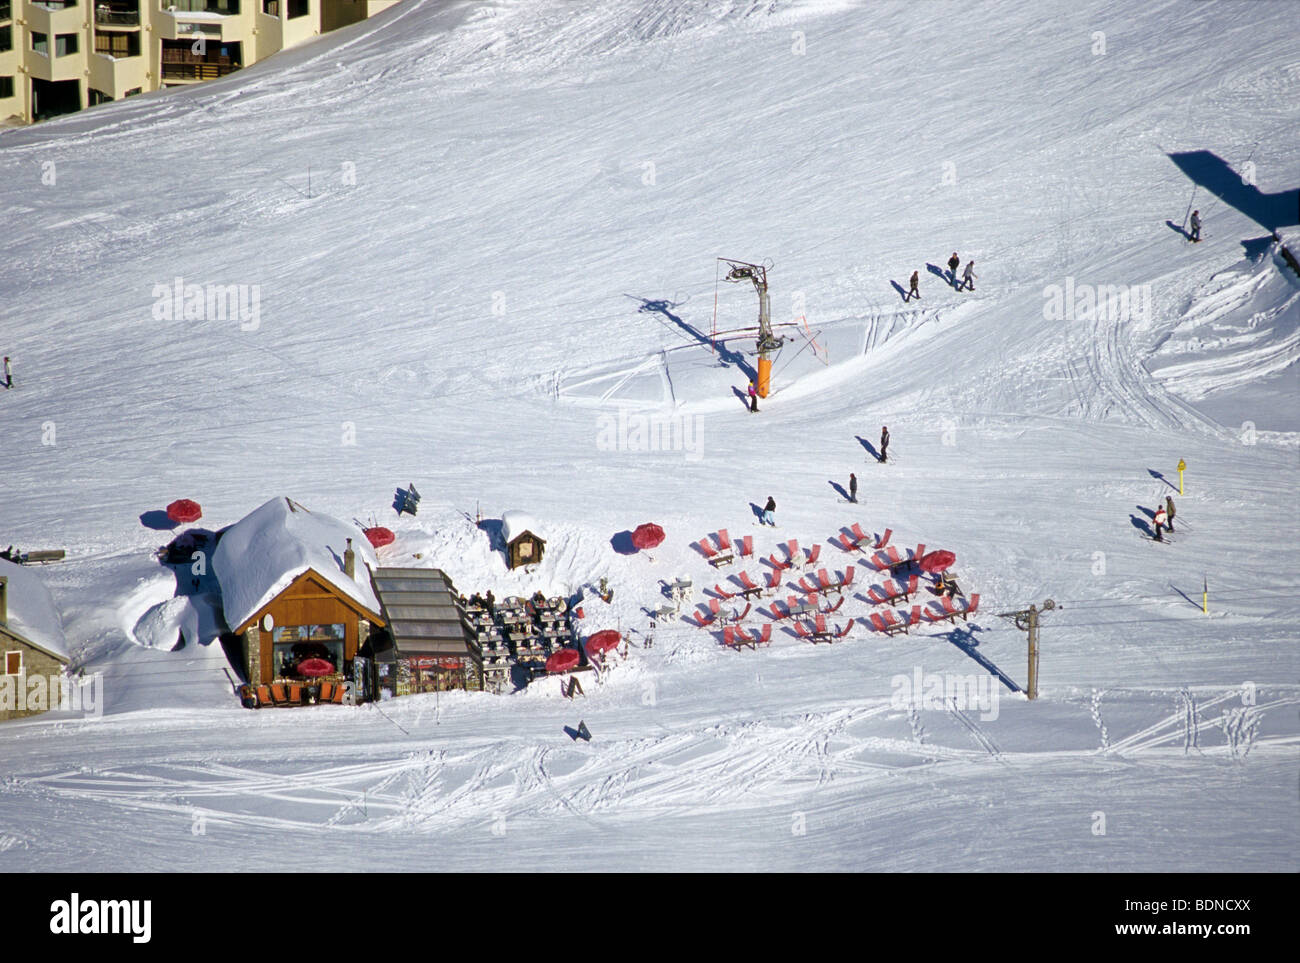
57	56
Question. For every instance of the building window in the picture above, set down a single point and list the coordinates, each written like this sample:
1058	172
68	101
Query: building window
307	651
6	39
40	43
98	97
297	8
64	44
117	44
133	91
6	87
271	8
14	662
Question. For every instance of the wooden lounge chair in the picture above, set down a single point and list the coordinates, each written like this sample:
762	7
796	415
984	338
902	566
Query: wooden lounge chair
844	542
884	539
814	554
723	593
749	588
326	692
338	695
264	696
747	547
844	631
858	534
807	586
777	564
278	694
773	582
295	693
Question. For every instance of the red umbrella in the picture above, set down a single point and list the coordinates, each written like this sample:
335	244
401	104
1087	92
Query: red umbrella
380	536
563	660
314	667
648	535
184	511
937	561
603	641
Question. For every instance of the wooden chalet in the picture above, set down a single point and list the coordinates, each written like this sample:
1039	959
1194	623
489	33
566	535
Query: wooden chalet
32	644
524	546
296	591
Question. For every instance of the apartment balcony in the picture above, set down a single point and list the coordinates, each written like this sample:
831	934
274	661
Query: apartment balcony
180	64
122	16
195	72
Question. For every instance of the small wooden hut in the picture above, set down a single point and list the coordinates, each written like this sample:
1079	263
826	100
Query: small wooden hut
524	544
32	645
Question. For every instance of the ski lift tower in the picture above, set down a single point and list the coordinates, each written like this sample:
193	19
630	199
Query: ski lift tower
768	343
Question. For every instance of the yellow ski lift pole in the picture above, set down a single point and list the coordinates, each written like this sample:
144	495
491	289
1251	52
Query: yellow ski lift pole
1182	467
1205	596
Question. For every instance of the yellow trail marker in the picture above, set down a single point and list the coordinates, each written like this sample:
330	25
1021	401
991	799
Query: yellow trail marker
1182	467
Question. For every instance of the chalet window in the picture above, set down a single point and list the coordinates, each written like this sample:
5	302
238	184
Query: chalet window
64	44
14	662
294	645
40	42
6	38
525	549
271	8
297	8
6	87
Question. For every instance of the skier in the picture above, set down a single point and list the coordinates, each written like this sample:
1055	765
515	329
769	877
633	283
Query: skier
9	374
768	509
884	443
853	488
916	286
968	276
753	398
953	263
1161	521
1169	504
1196	226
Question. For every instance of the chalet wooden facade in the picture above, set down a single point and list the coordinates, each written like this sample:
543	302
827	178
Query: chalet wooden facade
296	592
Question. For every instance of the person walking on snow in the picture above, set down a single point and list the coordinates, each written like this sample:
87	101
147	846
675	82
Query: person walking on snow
753	398
916	286
768	509
1169	504
1161	520
953	263
853	488
968	276
884	443
1196	226
9	374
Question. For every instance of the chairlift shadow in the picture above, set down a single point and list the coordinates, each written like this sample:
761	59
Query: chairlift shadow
726	355
1208	170
963	637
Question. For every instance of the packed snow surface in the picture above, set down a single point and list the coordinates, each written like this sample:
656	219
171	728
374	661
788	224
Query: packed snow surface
473	247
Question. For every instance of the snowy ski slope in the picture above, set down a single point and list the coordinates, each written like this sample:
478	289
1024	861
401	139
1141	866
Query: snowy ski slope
477	231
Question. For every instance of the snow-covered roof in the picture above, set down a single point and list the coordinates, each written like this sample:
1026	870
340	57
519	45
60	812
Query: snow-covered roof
261	554
31	611
514	524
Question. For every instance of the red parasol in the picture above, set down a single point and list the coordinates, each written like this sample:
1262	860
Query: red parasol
380	536
603	641
184	510
936	562
315	667
648	535
563	660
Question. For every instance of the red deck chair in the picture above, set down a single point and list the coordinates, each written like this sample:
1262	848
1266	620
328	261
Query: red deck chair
834	607
700	620
844	631
747	546
884	539
820	625
729	636
715	606
915	618
741	616
879	561
878	623
814	554
806	586
723	593
920	550
912	584
877	595
792	550
706	549
974	604
765	637
848	578
892	624
773	581
858	534
749	586
844	543
801	630
778	565
724	541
